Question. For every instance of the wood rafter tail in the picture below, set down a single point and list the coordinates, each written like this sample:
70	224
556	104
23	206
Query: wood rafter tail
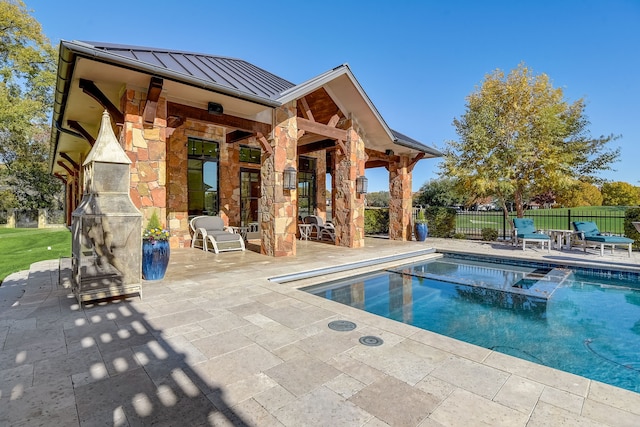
151	105
93	91
82	131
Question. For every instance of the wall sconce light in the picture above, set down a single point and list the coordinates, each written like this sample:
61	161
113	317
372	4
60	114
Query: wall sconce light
361	184
388	152
290	179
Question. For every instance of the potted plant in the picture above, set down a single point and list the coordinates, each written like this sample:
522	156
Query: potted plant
155	249
421	228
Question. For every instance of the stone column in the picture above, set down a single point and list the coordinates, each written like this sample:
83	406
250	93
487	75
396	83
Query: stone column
348	207
278	206
229	182
400	199
11	218
147	149
42	218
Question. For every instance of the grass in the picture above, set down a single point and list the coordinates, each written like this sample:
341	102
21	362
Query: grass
608	218
21	247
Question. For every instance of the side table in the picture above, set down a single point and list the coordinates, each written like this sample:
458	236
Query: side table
305	231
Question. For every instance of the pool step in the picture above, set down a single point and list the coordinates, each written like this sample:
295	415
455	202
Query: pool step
539	284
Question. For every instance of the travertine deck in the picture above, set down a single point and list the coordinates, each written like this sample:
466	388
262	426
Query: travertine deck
217	343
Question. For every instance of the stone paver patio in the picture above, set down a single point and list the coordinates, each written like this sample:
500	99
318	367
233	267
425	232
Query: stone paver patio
217	343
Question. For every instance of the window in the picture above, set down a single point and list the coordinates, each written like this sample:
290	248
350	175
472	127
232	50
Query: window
250	154
306	186
203	177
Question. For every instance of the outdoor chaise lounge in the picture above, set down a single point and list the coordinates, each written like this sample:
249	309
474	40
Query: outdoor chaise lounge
211	230
587	234
320	229
525	231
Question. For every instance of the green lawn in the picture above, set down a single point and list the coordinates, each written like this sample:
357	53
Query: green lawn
608	218
21	247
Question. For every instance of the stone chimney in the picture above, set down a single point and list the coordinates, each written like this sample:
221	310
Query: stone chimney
106	227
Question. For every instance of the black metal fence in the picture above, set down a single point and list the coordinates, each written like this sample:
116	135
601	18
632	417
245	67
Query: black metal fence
471	223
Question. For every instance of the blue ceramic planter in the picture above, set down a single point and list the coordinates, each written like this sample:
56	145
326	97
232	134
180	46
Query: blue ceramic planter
155	258
421	232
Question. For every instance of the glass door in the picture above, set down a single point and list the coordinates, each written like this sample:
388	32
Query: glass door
249	196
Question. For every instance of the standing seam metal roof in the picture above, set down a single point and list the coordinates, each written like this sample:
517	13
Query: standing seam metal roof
233	73
238	77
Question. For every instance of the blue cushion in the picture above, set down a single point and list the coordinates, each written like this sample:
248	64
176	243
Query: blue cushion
530	236
609	239
588	228
524	226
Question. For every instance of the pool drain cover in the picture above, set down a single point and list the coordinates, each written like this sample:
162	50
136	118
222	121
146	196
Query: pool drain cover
371	341
342	325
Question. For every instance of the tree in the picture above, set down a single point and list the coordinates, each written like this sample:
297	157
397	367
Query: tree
439	192
519	137
27	76
580	194
379	199
620	194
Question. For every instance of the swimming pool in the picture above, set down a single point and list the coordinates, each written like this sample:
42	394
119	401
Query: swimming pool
582	321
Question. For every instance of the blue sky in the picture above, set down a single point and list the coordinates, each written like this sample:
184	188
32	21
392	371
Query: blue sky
417	60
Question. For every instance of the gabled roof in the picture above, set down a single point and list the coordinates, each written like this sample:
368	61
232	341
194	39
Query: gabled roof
227	76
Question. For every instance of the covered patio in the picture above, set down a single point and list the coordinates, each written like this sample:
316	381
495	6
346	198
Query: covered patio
210	135
214	343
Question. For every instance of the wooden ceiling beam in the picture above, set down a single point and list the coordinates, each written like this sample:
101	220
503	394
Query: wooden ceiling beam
321	129
185	111
325	144
333	121
376	164
82	131
237	135
93	91
151	105
306	110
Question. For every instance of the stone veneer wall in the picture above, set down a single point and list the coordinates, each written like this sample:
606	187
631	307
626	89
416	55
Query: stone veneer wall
146	147
400	199
278	206
178	197
348	207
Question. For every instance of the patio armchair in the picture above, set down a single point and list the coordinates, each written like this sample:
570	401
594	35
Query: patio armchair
320	229
210	230
524	230
587	234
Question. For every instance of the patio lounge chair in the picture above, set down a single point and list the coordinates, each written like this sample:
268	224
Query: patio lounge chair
525	231
211	230
320	229
587	234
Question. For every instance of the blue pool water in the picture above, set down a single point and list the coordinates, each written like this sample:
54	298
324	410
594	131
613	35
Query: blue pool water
576	321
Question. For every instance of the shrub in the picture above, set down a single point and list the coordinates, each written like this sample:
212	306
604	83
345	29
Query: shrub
489	234
632	215
460	236
442	221
376	221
